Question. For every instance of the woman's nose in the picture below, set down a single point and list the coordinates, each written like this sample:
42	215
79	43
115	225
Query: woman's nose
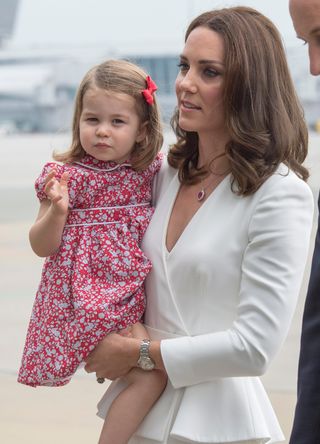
188	82
314	56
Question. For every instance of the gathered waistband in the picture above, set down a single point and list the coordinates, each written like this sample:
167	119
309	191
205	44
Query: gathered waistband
101	215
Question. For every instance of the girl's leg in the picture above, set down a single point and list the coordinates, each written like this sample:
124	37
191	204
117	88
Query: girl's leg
131	406
134	402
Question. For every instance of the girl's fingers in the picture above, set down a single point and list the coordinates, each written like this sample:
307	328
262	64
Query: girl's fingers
49	186
54	188
56	199
50	176
64	179
52	194
51	179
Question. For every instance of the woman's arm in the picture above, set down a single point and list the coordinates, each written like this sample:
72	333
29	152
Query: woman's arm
272	270
116	355
45	234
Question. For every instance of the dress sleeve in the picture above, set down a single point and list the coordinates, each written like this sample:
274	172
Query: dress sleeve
153	173
155	166
271	274
40	181
161	180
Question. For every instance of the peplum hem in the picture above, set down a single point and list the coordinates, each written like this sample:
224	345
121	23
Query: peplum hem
201	413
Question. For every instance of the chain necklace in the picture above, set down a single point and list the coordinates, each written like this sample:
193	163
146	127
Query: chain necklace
201	195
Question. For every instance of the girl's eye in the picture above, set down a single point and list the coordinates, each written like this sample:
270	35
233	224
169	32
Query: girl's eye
118	121
92	119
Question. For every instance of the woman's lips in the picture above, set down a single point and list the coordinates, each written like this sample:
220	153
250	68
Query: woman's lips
188	106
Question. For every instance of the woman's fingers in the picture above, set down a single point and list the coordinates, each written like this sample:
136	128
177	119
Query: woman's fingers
110	359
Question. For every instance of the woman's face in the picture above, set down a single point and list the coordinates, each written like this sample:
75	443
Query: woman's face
200	83
306	18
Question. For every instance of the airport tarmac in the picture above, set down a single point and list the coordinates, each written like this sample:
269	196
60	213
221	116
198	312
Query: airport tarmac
67	414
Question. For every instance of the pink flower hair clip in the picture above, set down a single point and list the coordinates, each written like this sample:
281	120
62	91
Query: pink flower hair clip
148	92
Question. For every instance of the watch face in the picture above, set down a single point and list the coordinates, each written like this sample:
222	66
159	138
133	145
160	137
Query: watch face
146	364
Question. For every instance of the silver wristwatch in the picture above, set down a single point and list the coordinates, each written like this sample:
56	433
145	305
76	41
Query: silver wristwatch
144	361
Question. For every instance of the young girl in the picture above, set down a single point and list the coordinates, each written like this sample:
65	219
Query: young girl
94	209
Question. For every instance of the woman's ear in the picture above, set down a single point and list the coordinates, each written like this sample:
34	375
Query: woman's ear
142	132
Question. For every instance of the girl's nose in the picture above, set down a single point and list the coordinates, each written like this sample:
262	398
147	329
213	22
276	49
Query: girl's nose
103	130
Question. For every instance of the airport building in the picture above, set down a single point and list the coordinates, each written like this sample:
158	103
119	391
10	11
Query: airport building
37	94
37	88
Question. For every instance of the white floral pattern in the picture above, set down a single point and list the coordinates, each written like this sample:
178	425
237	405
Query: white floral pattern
94	283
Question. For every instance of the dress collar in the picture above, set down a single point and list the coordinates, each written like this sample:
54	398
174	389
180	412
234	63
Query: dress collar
95	164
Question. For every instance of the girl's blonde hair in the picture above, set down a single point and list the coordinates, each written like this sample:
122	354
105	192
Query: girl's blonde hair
119	76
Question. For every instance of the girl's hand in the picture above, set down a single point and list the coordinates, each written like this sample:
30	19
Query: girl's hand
113	357
57	192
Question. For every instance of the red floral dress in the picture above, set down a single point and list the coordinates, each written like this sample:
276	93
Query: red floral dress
94	283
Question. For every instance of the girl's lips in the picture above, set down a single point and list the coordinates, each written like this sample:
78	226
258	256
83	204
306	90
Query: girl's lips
102	145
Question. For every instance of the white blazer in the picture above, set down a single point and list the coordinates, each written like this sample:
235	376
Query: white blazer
222	301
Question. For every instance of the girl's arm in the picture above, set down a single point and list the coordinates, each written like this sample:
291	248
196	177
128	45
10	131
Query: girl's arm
46	233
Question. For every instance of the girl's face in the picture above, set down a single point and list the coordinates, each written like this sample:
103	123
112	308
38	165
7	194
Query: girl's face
109	125
200	83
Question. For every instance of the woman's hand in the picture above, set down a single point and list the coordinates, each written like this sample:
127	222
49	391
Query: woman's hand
113	357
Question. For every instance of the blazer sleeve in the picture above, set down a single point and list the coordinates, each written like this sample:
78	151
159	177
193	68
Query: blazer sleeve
306	426
271	275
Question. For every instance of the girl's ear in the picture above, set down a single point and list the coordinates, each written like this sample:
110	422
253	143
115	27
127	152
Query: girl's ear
142	132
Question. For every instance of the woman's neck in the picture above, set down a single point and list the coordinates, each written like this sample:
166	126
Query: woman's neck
211	152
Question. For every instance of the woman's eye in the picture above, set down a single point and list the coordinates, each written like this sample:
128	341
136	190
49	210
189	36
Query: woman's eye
183	66
210	72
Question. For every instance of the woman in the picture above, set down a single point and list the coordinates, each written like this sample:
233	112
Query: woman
228	240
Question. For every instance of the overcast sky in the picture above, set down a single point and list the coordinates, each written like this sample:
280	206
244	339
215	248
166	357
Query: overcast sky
138	26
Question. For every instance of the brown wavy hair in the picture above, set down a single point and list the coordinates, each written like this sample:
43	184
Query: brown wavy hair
124	77
263	115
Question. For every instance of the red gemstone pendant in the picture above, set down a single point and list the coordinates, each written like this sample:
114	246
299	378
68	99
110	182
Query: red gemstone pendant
201	195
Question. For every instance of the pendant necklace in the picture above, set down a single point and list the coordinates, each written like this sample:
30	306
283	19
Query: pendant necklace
202	193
